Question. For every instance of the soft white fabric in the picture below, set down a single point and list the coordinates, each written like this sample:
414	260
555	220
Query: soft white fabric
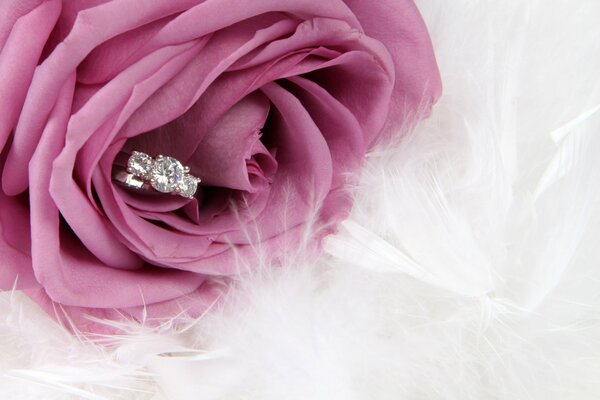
470	268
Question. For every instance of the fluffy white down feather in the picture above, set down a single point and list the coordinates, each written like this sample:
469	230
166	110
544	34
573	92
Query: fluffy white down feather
470	268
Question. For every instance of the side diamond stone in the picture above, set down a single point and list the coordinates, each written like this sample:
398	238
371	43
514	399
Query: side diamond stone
188	186
166	174
139	164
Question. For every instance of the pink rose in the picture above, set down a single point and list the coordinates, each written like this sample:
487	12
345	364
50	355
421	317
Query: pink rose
272	103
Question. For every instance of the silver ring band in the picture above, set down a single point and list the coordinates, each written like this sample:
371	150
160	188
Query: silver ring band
162	174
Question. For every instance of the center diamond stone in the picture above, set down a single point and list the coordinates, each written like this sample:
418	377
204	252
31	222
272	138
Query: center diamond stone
166	174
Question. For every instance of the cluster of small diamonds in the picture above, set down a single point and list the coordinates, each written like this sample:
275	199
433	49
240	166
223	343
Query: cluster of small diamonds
165	174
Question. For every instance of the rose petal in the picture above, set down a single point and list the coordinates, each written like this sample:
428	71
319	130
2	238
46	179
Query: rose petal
222	50
12	10
367	96
346	142
73	276
96	235
91	27
20	50
304	173
228	89
343	75
143	200
272	224
97	119
86	319
228	258
223	153
215	215
338	125
157	244
115	55
400	27
186	27
69	273
154	243
133	87
170	102
15	244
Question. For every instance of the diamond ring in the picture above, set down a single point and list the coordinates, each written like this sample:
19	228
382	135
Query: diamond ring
163	174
